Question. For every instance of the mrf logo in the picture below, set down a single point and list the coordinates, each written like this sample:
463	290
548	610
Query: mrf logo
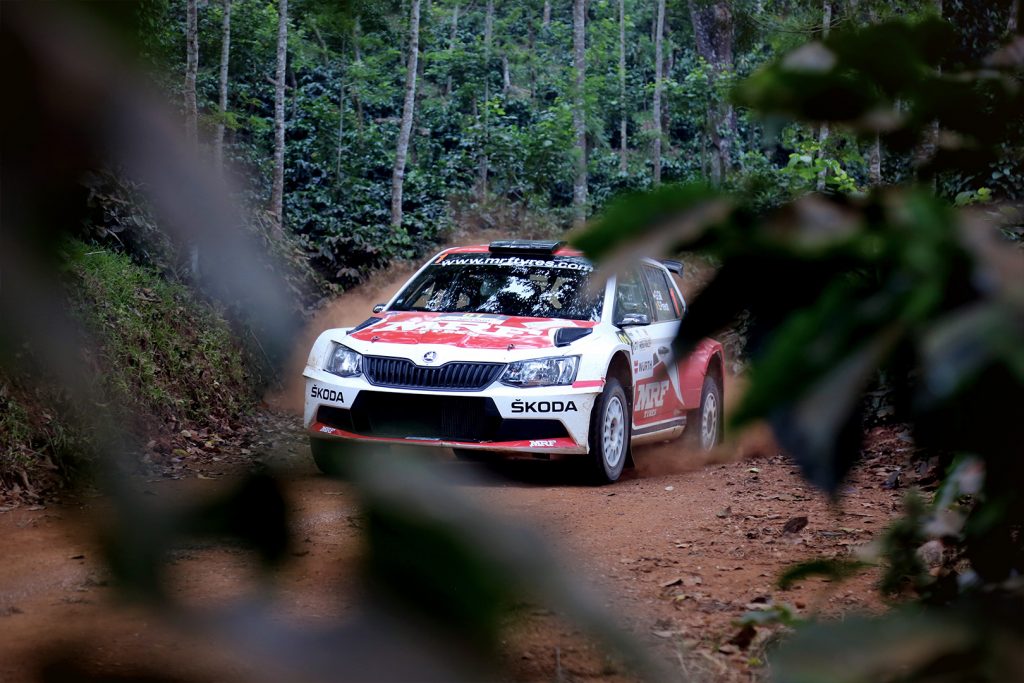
326	394
520	406
651	396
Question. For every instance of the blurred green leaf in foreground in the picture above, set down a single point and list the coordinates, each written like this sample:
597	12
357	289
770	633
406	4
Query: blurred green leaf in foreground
927	289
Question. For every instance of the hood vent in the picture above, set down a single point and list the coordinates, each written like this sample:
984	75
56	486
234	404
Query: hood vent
567	335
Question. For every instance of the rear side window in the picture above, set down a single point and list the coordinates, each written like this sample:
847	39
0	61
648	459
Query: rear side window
663	295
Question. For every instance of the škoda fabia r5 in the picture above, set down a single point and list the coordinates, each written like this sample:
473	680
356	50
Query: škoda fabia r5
511	348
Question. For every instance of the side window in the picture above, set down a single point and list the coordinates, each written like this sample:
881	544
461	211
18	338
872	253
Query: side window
665	301
631	295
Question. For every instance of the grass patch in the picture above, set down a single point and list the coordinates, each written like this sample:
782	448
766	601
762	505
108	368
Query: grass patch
159	346
168	359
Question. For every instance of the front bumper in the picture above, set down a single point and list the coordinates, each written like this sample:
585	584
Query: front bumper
544	420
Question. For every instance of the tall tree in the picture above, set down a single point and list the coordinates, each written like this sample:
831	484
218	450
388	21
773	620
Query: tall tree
405	130
452	38
823	129
659	33
488	39
191	68
357	59
191	105
875	162
579	119
277	190
225	57
623	147
713	30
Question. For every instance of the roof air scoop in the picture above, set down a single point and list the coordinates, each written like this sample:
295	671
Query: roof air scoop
545	247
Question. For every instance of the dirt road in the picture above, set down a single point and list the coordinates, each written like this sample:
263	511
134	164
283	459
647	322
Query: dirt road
679	548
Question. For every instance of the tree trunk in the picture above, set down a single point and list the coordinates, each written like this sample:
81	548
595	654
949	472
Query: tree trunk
225	58
452	38
277	190
405	131
823	130
191	106
1014	24
546	19
623	159
357	58
666	74
713	31
484	162
875	163
506	78
531	44
659	31
930	142
579	44
341	126
191	67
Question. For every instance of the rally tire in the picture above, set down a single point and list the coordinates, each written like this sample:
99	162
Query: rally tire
610	429
704	425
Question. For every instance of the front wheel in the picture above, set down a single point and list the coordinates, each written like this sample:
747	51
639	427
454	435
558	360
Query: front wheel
610	426
704	425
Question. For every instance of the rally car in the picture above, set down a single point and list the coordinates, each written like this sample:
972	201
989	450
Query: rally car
512	347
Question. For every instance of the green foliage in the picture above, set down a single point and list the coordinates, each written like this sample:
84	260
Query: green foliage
899	281
980	196
159	347
835	570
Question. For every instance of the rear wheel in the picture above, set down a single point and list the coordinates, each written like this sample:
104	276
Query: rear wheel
610	426
704	425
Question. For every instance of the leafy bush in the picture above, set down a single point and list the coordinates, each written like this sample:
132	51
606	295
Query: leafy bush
901	281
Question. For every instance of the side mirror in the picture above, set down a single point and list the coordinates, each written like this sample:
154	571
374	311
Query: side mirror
378	308
633	320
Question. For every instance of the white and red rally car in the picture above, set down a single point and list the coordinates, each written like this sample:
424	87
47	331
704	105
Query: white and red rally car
510	347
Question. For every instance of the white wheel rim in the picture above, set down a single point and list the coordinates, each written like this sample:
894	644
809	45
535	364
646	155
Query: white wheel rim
709	422
613	432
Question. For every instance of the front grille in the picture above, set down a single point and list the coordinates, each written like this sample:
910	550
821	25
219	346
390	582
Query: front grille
450	418
404	374
431	417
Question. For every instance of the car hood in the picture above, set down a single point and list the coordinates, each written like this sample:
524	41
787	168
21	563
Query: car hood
465	330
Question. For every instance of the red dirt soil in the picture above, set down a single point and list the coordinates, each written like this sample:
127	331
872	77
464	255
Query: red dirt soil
682	547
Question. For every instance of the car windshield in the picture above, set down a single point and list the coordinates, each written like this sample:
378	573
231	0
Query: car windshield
535	287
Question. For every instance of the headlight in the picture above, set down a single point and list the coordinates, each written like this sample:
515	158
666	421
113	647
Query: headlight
344	362
541	372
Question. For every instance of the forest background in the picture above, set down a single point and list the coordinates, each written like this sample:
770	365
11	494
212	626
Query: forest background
370	130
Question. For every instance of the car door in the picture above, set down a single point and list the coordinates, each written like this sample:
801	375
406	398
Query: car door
665	402
633	298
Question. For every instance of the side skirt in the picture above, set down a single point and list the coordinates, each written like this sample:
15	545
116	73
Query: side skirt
663	431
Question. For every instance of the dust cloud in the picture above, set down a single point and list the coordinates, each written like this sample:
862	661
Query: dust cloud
675	458
348	310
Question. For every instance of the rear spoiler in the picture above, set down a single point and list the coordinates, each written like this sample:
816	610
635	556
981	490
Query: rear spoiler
673	266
